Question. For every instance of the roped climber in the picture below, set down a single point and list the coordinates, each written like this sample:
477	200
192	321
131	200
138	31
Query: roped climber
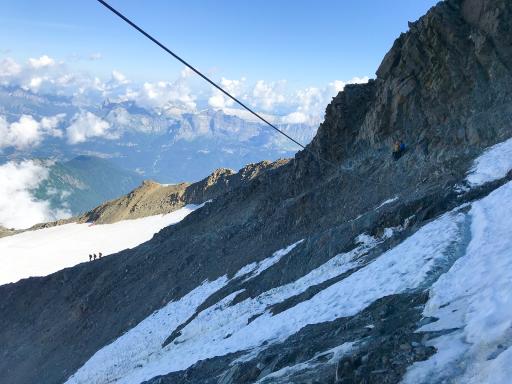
398	149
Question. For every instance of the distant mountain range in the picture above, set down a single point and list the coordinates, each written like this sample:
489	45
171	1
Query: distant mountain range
165	145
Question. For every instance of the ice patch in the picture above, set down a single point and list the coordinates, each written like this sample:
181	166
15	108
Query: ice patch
335	354
390	231
475	296
366	240
492	165
388	201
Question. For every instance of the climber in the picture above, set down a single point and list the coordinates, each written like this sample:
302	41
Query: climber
99	255
94	256
90	257
398	149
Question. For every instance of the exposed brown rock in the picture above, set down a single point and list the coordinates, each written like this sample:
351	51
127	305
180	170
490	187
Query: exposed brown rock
7	232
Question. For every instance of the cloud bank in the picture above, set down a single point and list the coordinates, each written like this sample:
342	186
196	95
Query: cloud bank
42	62
86	125
48	75
18	207
27	132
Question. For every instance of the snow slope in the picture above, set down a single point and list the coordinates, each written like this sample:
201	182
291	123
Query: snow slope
225	328
143	344
475	298
41	252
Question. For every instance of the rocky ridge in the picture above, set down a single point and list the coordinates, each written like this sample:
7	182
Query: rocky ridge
152	198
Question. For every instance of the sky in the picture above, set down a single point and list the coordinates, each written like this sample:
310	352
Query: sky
305	43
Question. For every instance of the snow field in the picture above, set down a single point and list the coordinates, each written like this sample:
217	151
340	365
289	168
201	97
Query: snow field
472	296
48	250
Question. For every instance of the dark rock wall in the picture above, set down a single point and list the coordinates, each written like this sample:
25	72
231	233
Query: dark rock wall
444	85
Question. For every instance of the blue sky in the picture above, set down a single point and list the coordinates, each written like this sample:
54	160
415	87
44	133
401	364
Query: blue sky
307	43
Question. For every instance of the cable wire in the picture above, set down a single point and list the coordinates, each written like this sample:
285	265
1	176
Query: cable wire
207	79
154	40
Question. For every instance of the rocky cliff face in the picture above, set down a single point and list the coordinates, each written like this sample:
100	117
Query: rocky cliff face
443	89
444	83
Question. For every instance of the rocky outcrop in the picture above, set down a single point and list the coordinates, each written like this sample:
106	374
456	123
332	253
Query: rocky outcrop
443	89
7	232
149	199
152	198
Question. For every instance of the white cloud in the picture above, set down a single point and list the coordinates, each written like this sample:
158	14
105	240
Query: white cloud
121	116
339	85
35	83
295	118
220	101
186	72
66	79
9	67
304	106
86	125
310	102
28	132
18	207
95	56
24	133
46	75
50	124
119	78
42	62
267	95
166	95
172	98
